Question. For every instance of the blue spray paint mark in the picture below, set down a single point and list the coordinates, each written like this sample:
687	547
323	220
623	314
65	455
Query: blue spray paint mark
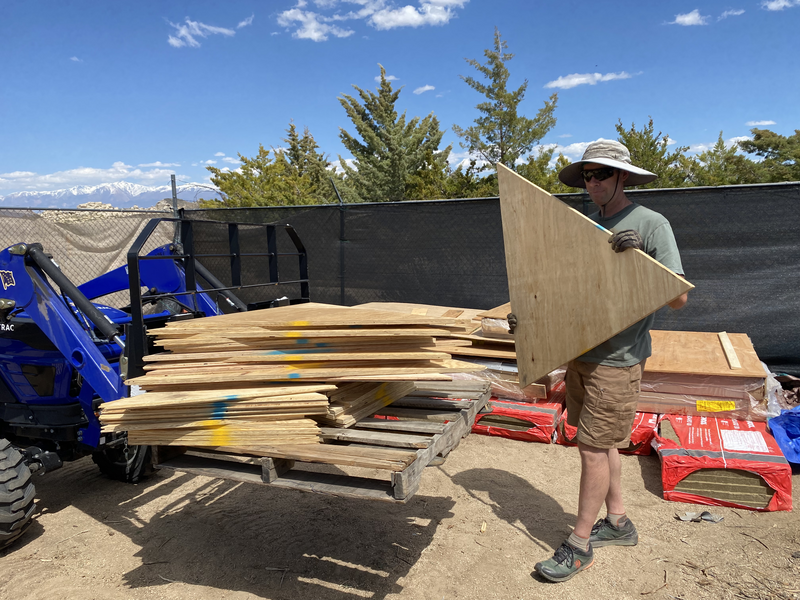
294	375
218	410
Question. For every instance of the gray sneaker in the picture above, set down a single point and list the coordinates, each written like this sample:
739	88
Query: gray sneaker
605	534
567	562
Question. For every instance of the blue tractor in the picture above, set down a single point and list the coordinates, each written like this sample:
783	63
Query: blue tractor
62	353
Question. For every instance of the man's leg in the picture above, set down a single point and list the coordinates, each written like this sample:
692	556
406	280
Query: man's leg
615	529
614	504
595	487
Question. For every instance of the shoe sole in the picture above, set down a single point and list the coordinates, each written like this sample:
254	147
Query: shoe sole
617	542
568	577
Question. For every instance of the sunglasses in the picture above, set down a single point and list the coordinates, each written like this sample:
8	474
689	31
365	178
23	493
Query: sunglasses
599	174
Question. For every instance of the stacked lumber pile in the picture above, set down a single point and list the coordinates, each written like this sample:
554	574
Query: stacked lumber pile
266	415
351	402
245	379
311	342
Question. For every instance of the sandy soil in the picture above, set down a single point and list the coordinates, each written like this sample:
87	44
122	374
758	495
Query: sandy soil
177	536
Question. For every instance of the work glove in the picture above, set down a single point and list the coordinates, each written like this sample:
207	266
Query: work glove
623	240
512	322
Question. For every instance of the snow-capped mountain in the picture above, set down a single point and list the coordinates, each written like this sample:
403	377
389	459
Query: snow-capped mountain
120	195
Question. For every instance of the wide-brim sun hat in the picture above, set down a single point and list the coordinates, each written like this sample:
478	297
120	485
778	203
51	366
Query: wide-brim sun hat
611	154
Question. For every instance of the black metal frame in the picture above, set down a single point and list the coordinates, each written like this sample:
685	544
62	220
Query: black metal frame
136	333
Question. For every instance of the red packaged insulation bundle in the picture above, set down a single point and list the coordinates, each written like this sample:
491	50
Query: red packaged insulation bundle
524	421
642	433
722	462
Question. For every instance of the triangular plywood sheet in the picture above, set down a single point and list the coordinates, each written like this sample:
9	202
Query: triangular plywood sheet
569	290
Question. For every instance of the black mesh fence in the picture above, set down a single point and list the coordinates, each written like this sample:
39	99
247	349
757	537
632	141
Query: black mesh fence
738	247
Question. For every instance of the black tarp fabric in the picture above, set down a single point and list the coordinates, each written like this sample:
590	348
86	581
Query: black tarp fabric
738	244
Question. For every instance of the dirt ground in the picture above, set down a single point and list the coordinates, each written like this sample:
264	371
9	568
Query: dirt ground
475	530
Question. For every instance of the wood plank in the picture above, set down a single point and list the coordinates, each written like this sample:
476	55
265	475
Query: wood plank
562	273
480	337
376	438
700	353
730	353
336	485
314	314
405	426
499	312
484	352
430	310
431	403
389	459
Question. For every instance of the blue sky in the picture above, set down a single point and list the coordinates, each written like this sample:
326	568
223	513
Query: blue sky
97	92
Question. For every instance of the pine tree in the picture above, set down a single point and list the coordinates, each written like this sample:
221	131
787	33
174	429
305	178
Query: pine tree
537	170
721	165
390	150
649	151
296	175
308	171
781	154
500	134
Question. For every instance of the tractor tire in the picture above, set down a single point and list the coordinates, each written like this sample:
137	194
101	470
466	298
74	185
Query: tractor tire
16	494
114	463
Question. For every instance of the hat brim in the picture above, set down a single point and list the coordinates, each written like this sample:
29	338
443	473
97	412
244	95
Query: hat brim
571	174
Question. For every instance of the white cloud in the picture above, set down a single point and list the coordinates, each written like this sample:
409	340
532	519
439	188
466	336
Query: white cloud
565	135
186	33
779	4
318	25
692	18
430	12
699	148
670	141
388	78
75	59
246	22
230	159
731	13
737	139
312	26
570	81
158	163
208	162
220	154
705	147
760	123
119	171
423	89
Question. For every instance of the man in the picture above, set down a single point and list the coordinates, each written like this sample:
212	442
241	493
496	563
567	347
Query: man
603	384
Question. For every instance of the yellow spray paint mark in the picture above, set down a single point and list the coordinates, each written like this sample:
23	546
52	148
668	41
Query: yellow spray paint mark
308	365
220	436
300	323
382	394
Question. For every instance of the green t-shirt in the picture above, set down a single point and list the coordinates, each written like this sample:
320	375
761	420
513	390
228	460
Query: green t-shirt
632	345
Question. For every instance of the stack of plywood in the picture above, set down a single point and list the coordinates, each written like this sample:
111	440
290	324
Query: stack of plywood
351	402
309	342
242	380
698	373
270	414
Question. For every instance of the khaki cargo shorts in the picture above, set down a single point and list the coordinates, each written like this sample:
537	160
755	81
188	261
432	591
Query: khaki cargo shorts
601	402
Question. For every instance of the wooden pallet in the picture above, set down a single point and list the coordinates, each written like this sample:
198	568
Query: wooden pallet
381	457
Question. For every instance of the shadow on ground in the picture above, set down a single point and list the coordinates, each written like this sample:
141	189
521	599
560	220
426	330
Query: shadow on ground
516	501
269	542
